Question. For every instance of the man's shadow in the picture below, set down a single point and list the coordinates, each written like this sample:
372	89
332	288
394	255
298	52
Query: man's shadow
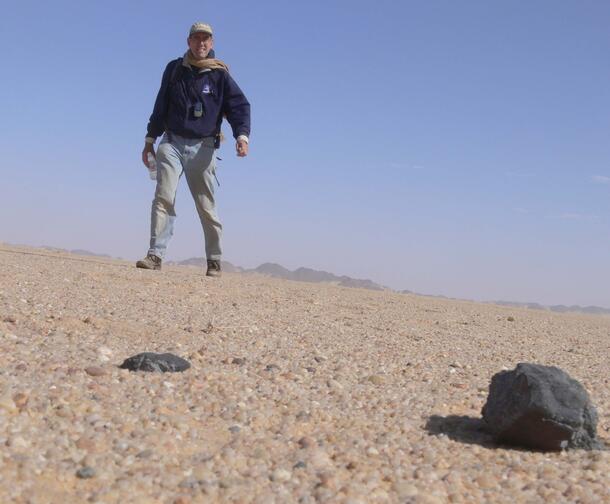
464	429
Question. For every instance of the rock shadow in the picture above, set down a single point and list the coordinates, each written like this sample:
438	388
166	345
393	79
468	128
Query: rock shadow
471	430
464	429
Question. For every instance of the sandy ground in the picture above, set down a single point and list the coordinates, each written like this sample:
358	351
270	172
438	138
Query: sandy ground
297	392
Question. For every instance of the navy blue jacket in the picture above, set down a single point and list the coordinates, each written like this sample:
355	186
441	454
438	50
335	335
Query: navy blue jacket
182	88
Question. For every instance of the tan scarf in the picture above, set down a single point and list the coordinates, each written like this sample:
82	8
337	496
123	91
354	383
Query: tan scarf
211	64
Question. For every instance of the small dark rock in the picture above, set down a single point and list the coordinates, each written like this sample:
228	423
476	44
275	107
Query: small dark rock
85	472
235	429
310	369
272	367
540	407
145	453
300	465
153	362
239	361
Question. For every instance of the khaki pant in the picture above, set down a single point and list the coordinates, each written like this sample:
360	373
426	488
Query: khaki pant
197	160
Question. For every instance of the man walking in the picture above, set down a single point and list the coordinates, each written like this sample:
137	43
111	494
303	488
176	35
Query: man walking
196	93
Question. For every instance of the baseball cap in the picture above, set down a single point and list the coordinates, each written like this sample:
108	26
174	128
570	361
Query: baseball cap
200	27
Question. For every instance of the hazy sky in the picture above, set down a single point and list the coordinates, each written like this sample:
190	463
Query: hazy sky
456	148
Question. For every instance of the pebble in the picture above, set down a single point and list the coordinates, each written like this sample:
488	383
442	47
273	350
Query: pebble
7	403
21	400
85	472
376	379
95	371
104	354
486	481
303	416
18	443
405	489
334	385
281	475
85	443
307	442
319	459
259	453
64	411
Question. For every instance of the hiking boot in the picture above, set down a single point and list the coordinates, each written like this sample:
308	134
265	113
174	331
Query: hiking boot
213	268
151	262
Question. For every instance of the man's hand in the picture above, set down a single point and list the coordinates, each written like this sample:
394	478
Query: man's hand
242	148
148	148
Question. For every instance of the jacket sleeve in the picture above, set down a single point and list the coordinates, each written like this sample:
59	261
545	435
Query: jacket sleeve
236	108
156	123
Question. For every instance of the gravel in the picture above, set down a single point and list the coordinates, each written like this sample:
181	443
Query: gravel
297	392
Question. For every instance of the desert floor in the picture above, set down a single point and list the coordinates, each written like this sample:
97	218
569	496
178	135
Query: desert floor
297	392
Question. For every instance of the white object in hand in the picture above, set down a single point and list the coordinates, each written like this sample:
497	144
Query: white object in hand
152	166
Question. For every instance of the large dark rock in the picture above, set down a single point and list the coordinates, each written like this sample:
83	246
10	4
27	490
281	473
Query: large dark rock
542	408
160	363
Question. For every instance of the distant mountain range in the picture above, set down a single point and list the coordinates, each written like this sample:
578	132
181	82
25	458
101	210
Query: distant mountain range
595	310
87	253
299	275
77	252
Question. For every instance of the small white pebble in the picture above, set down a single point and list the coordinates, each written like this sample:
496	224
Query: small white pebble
281	475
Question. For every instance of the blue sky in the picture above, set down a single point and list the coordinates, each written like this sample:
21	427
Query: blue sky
455	148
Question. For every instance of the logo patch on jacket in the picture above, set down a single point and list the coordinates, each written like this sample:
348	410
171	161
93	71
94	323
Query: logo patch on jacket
206	89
